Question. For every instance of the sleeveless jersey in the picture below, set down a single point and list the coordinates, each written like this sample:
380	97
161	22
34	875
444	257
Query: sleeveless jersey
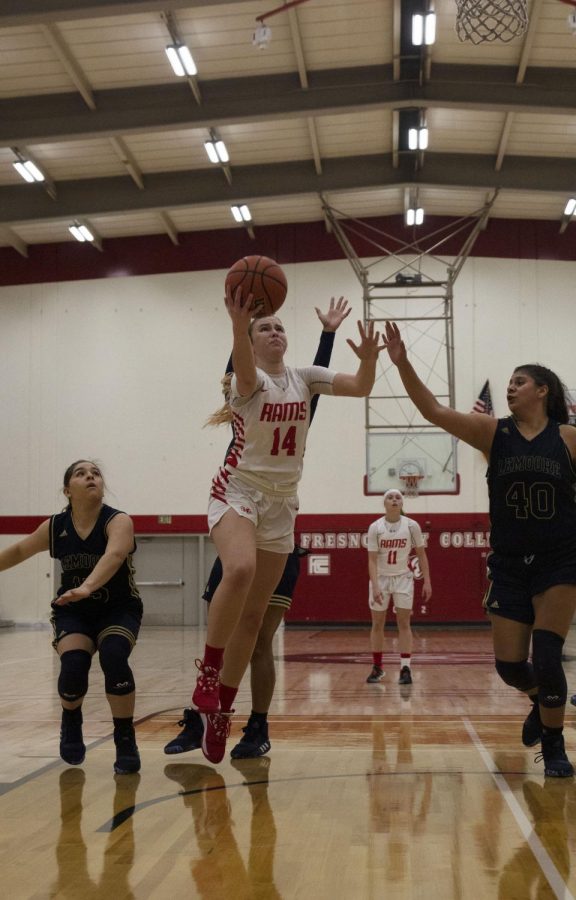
270	429
394	542
532	492
78	557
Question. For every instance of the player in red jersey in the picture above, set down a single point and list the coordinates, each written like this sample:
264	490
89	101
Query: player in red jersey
254	501
391	540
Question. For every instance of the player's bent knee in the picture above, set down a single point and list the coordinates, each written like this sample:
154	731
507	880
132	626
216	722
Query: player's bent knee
519	675
73	677
114	652
547	659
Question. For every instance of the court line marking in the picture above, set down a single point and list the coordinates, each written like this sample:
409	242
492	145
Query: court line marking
551	873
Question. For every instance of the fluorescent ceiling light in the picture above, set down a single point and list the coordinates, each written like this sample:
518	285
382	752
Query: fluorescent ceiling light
570	207
181	60
241	213
217	151
81	233
28	170
423	29
414	216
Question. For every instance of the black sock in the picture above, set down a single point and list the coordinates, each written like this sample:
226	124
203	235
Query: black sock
122	726
72	715
552	732
259	718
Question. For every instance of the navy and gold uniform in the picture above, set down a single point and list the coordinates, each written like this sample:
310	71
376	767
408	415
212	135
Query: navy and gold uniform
533	518
116	607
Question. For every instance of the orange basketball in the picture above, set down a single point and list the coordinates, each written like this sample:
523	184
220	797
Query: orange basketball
262	277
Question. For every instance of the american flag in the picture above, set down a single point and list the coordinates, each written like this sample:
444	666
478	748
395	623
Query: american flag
484	402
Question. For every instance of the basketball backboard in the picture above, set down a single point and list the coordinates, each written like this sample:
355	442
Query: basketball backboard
390	457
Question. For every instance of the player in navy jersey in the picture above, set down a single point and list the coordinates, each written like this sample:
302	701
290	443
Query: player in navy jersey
254	500
532	568
255	741
97	607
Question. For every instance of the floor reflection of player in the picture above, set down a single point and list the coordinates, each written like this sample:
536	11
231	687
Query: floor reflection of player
74	880
220	869
399	806
523	876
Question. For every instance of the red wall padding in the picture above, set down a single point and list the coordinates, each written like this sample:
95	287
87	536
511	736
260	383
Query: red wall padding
457	547
333	583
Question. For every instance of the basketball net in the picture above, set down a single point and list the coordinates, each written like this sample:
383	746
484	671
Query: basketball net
411	484
491	20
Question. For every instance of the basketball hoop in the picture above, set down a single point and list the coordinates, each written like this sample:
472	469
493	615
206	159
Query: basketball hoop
483	21
411	483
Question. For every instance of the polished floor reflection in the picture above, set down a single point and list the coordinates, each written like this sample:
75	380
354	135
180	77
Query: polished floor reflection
369	791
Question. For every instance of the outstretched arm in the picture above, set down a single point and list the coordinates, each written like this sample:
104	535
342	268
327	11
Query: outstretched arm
476	430
360	384
120	544
331	321
34	543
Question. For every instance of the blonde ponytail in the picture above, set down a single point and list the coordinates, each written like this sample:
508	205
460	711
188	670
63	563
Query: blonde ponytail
222	416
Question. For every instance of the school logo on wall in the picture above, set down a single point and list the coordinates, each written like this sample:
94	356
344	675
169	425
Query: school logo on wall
319	564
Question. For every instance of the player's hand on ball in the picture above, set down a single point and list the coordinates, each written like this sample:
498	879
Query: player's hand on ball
240	311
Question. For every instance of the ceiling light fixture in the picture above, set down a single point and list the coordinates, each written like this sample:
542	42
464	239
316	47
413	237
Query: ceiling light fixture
28	170
418	138
181	60
414	216
216	150
241	213
570	207
423	29
80	232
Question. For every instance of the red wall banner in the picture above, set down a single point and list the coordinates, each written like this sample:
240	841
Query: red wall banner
333	583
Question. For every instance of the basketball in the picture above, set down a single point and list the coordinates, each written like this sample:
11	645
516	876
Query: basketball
262	277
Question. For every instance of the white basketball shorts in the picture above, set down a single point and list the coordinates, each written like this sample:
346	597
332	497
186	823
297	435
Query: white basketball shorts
398	587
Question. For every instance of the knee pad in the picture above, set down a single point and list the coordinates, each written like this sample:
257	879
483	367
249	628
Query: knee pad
548	670
73	678
517	674
114	652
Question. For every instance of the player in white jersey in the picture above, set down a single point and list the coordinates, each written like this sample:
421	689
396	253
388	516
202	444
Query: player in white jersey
391	540
253	500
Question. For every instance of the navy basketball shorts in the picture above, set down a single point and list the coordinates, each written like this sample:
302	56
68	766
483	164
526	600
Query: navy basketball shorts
97	623
515	581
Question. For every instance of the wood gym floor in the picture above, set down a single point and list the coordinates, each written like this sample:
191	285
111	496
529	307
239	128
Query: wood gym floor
369	791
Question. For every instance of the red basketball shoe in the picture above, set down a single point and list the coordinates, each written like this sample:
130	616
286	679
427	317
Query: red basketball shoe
206	696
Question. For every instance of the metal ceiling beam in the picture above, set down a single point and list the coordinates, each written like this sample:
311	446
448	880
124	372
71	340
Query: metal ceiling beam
63	117
31	12
171	190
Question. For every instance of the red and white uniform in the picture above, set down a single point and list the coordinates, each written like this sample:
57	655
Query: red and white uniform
394	542
260	476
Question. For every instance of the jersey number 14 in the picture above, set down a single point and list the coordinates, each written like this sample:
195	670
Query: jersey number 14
288	442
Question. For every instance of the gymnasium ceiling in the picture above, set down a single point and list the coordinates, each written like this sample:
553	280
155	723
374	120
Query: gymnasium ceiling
86	91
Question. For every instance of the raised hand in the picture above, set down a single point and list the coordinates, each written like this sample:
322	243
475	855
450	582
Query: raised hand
394	343
240	311
368	348
333	318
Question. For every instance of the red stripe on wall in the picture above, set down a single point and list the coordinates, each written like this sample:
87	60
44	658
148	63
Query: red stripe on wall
297	243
